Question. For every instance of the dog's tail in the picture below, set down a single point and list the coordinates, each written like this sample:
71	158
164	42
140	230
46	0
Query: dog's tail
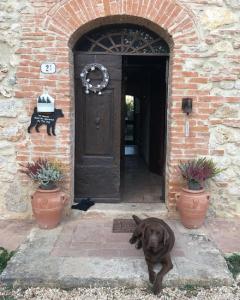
136	219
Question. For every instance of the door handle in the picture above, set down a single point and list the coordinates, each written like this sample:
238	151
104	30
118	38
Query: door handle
97	122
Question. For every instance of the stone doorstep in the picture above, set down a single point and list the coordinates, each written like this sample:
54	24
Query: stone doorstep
36	265
126	210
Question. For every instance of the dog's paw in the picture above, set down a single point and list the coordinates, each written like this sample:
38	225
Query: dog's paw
132	240
157	287
138	245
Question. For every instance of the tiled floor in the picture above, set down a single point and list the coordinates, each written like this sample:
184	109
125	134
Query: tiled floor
138	184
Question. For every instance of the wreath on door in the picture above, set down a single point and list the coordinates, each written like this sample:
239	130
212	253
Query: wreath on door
89	86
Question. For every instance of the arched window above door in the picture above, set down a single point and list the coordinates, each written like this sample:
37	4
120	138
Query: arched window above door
122	40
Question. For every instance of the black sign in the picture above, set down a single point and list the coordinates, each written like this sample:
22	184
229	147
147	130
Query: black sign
49	119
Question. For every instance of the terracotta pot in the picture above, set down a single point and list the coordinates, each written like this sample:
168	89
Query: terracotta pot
192	206
47	206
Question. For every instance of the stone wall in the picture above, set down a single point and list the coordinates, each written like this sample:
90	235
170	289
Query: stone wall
206	67
14	196
219	61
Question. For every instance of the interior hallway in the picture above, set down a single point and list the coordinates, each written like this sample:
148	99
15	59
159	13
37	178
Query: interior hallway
138	184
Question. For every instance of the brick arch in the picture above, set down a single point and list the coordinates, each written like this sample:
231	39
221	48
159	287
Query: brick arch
71	18
51	30
68	20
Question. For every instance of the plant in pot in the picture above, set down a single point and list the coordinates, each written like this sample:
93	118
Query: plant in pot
193	201
48	201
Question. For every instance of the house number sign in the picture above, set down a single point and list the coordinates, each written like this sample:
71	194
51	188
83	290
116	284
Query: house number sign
48	68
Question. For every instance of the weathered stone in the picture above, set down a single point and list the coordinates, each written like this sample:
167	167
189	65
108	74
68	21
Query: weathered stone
12	80
5	177
24	119
5	50
12	168
217	17
222	135
206	86
191	65
232	149
8	108
6	148
16	27
5	91
227	111
14	201
237	85
3	71
235	190
13	60
236	44
199	261
12	134
223	46
227	85
212	66
3	162
224	93
233	3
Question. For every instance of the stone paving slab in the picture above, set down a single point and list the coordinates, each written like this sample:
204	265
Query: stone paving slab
85	252
14	232
126	210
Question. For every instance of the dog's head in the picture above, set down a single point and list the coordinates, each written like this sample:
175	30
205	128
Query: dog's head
155	237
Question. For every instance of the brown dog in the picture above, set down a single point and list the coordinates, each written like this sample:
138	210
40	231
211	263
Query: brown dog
157	240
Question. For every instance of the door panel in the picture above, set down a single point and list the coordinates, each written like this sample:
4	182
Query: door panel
98	124
97	144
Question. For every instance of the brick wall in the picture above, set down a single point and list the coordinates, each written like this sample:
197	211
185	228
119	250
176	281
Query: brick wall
205	40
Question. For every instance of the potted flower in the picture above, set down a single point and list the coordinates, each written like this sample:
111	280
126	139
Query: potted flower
47	201
193	201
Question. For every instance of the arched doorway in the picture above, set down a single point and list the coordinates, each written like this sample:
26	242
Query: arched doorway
120	140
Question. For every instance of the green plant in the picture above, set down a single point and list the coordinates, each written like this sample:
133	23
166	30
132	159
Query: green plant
190	289
197	171
4	258
45	172
233	262
7	297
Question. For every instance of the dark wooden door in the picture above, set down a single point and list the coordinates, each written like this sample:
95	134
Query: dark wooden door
97	131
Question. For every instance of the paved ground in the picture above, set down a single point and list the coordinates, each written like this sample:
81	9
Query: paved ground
224	233
14	232
83	251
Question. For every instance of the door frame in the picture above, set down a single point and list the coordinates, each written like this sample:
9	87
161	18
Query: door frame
167	73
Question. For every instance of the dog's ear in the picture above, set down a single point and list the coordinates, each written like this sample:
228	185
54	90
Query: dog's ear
165	236
136	219
144	229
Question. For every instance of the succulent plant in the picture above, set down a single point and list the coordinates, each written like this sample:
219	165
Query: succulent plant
46	173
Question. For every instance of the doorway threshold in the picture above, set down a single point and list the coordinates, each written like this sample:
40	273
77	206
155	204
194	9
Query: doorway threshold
126	210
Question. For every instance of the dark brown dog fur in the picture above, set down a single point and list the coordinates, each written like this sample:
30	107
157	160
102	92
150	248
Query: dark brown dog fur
157	240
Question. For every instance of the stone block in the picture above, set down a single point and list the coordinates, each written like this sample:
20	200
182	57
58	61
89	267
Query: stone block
6	148
8	108
5	91
223	46
12	134
15	199
233	3
232	149
3	162
227	85
227	111
237	84
218	17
